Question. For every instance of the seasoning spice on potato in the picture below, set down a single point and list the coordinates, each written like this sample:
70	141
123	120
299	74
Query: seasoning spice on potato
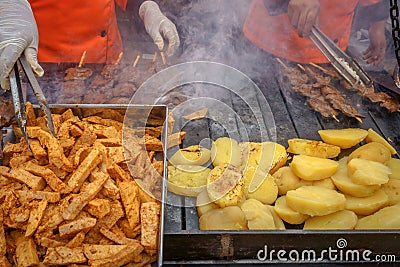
312	148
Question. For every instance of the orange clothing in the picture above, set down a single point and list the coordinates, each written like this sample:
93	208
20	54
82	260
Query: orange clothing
276	35
67	28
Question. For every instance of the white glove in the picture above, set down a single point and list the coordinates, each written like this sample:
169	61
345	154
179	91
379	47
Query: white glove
18	34
158	26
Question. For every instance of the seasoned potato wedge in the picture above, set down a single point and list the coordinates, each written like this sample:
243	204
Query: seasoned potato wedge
315	200
267	156
312	148
375	137
394	165
287	214
344	183
192	155
392	190
204	204
228	218
313	168
371	151
340	220
279	224
225	185
266	192
286	180
225	150
386	218
367	205
258	215
187	180
367	172
344	138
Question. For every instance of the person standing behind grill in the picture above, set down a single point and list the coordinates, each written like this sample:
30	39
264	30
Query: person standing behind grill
281	27
67	28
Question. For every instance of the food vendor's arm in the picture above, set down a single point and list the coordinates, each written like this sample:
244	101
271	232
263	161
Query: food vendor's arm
158	26
18	34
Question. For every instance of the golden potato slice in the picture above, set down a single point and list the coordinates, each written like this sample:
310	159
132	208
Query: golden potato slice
392	190
313	168
204	204
394	165
228	218
258	215
286	180
343	138
367	172
266	192
279	224
386	218
315	200
340	220
375	137
327	183
187	180
371	151
225	185
192	155
287	214
367	205
344	183
226	150
312	148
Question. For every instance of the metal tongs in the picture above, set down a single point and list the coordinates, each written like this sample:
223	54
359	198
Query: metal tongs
345	65
17	96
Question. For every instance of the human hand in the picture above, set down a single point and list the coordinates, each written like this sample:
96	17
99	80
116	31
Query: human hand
158	26
303	15
18	34
377	44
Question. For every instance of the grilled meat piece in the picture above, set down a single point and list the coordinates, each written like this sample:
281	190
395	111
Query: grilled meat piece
77	73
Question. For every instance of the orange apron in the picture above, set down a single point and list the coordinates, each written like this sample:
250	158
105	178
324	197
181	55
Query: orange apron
276	35
67	28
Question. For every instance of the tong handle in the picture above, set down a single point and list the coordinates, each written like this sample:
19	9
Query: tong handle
347	67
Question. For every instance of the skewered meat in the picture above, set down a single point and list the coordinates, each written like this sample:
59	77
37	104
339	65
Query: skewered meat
318	79
78	73
322	106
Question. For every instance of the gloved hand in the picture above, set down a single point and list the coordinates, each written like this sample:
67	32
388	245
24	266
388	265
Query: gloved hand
303	14
158	26
377	43
18	34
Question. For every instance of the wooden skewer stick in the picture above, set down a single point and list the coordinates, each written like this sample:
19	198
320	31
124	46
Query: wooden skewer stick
301	67
82	59
336	119
164	61
119	58
318	67
155	57
136	61
281	62
359	119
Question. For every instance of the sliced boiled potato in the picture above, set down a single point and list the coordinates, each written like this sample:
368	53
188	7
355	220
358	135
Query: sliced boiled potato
371	151
267	156
258	215
344	183
375	137
367	205
225	185
286	180
266	192
385	218
340	220
192	155
343	138
327	183
313	168
187	180
287	214
204	204
394	165
392	190
225	150
367	172
312	148
315	200
279	224
229	218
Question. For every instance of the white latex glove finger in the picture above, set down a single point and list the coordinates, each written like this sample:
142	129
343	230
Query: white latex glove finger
158	26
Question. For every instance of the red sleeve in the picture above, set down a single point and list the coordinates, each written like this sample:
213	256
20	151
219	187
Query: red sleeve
122	4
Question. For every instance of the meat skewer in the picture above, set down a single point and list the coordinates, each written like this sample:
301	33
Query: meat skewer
328	71
315	99
332	94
